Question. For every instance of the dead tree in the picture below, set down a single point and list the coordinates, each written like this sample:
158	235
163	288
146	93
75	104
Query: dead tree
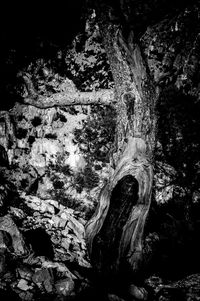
133	45
115	232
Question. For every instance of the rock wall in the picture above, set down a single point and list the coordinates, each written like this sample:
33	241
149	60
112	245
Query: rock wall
50	179
43	214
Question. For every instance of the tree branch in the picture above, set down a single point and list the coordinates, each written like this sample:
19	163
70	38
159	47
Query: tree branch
67	97
104	96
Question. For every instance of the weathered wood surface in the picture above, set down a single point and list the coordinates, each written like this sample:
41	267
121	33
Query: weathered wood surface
104	96
114	234
69	95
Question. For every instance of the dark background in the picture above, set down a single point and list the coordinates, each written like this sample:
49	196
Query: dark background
31	30
22	22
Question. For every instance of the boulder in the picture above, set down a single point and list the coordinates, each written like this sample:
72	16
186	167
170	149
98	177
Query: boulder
24	272
59	269
23	285
65	287
43	278
139	293
18	244
16	213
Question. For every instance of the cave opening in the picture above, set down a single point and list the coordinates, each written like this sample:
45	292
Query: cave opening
40	242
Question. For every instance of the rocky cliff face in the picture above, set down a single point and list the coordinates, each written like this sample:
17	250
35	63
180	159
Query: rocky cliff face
51	171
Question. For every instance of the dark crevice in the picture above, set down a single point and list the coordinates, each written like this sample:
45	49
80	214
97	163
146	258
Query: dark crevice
40	242
107	243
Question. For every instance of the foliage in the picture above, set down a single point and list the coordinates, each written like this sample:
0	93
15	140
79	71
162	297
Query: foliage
57	184
61	173
31	139
59	166
96	136
50	136
59	116
65	181
84	210
87	179
36	121
21	133
87	61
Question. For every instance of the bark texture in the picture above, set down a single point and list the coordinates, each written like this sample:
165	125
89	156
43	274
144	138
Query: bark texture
70	96
115	232
105	97
152	61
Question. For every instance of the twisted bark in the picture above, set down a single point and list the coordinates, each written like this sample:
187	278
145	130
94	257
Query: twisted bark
114	245
115	233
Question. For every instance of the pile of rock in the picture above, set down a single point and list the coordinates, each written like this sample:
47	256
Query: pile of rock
64	229
38	240
30	275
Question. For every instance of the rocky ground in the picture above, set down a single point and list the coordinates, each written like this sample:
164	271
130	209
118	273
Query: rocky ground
42	247
43	254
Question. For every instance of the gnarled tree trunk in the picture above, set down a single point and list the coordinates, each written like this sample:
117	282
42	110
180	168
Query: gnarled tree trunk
115	232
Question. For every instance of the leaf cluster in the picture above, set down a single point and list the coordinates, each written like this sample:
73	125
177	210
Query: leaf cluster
97	134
